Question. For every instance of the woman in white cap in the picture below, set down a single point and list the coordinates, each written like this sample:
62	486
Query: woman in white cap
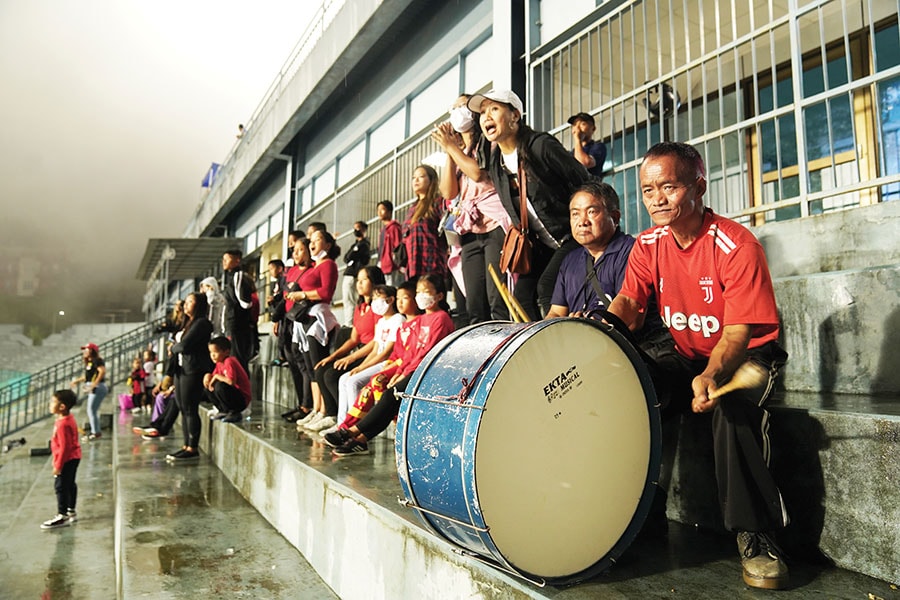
551	176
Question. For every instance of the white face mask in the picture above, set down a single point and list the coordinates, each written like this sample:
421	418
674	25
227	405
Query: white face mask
461	119
210	294
425	301
380	306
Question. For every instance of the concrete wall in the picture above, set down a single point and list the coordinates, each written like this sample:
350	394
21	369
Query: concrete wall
837	281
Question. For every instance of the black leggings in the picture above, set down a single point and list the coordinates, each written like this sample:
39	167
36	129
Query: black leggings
316	353
534	291
188	392
327	378
384	411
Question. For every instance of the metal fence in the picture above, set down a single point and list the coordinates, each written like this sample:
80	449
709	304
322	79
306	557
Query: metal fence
27	400
795	105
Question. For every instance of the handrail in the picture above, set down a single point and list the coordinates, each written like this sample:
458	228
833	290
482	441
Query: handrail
25	401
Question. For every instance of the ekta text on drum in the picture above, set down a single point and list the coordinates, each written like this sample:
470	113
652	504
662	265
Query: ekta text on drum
535	446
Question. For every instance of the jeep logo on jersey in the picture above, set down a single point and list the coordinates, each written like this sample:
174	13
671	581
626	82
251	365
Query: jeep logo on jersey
706	284
705	324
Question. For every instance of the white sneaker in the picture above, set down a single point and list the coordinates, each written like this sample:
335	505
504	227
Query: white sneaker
309	417
136	410
315	419
391	431
211	413
323	423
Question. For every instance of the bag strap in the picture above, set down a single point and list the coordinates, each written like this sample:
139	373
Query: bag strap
592	276
523	199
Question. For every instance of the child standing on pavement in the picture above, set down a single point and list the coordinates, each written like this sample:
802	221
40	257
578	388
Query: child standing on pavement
66	456
228	386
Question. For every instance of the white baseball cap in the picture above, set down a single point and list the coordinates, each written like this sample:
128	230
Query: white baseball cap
505	96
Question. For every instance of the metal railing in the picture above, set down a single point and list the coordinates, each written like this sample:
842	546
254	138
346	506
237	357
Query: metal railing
26	400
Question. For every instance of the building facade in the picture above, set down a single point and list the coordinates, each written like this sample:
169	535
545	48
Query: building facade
794	104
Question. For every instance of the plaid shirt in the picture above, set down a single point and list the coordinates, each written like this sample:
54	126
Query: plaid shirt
426	248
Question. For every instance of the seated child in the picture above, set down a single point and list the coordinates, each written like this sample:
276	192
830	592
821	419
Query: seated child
430	328
403	350
379	349
228	386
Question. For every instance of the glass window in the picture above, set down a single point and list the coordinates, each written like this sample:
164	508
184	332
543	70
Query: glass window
479	67
352	164
324	185
887	48
387	136
250	242
262	233
275	222
434	101
889	101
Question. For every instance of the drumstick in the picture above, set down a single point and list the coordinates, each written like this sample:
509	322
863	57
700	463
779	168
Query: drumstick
748	375
504	293
515	309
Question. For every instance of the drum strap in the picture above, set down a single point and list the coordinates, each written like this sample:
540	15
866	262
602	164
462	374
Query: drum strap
468	384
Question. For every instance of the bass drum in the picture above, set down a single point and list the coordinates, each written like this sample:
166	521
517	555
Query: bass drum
535	446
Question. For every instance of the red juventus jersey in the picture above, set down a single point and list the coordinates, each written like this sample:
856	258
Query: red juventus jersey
721	279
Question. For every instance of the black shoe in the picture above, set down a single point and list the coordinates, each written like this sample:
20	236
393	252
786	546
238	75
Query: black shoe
175	455
186	455
338	438
232	417
352	448
291	416
763	561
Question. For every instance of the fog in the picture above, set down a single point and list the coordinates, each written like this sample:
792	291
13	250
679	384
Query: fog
113	111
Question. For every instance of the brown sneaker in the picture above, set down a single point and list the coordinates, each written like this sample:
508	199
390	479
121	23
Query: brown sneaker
762	560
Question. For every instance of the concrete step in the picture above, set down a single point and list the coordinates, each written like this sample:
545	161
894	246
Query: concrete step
343	516
183	531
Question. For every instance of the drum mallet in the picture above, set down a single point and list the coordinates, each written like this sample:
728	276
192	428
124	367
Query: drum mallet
512	305
748	375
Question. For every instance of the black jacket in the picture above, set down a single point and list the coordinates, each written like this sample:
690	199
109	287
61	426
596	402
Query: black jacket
236	316
194	348
553	176
357	257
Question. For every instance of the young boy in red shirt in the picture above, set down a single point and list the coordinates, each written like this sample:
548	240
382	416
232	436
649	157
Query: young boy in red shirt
228	386
66	456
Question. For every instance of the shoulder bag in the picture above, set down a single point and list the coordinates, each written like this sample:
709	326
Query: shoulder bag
515	257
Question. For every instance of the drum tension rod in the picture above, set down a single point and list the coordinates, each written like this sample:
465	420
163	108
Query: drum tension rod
535	582
414	506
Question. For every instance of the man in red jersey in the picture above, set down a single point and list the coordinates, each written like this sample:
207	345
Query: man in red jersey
715	296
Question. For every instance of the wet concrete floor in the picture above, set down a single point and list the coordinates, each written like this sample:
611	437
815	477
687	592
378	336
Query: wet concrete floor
185	532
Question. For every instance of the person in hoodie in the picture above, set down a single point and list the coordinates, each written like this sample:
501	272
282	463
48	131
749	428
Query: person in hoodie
210	287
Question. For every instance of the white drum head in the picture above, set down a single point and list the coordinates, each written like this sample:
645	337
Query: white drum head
563	450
